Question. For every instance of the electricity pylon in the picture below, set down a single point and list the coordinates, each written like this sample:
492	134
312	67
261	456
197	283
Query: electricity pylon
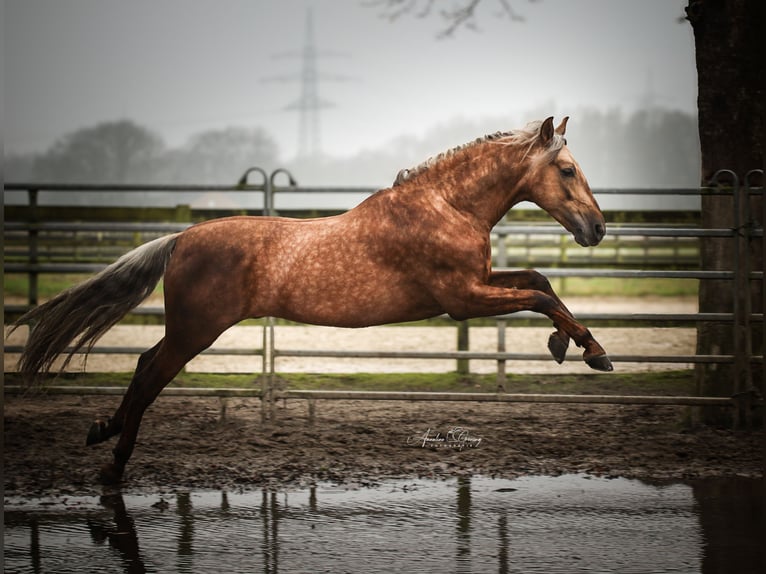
309	102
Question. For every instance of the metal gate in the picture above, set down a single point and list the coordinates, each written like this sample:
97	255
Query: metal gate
745	230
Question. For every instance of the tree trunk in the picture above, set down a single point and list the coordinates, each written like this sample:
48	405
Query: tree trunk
728	37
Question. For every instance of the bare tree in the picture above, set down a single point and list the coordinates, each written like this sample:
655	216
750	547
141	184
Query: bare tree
111	151
222	155
462	15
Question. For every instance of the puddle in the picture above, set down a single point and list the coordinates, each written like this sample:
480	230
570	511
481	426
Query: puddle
571	523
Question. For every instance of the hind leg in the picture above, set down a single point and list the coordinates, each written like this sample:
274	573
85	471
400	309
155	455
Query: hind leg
104	429
156	368
206	292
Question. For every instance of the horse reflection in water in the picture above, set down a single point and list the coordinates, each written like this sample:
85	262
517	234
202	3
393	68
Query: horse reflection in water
415	250
121	535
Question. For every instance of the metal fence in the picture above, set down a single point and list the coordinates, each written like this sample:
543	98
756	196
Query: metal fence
744	231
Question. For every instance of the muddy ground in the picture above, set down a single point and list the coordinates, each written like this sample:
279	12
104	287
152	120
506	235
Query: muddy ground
184	443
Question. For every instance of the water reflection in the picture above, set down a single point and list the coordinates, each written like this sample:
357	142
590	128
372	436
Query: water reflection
731	514
502	537
463	558
270	514
471	524
120	533
185	552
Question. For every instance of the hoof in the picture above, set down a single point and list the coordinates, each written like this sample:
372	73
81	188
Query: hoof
110	474
558	345
599	363
97	433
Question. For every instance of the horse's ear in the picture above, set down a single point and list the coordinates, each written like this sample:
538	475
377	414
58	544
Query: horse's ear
546	131
562	129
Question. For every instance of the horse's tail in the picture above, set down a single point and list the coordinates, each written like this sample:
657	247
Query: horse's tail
80	315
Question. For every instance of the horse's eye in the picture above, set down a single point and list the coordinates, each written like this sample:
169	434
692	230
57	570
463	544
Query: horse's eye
568	171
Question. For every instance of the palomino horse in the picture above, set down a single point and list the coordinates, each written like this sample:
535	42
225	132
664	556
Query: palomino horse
418	249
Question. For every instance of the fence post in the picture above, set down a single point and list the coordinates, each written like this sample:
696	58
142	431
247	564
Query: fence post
742	307
501	378
463	365
269	346
501	254
34	219
183	213
502	261
268	372
763	287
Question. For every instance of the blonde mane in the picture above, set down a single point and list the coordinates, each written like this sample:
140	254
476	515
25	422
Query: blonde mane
525	137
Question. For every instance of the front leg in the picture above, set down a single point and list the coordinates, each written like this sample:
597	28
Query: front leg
500	296
558	342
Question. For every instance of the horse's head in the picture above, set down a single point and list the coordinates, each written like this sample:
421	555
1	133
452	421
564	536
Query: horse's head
556	184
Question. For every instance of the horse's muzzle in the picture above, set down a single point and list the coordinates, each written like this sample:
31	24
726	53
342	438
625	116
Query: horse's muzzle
590	235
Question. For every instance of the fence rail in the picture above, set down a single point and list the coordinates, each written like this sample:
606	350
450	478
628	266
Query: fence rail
401	396
27	239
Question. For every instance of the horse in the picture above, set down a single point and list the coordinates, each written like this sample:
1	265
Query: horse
418	249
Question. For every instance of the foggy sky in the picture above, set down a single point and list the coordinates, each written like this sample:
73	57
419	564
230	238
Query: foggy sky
180	67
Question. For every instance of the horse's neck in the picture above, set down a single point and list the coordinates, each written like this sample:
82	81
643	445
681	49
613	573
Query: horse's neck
482	183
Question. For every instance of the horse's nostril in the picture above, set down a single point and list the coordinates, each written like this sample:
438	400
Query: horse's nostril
600	232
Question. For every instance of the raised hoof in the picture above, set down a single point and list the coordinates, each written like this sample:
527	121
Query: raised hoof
97	433
600	363
110	474
558	347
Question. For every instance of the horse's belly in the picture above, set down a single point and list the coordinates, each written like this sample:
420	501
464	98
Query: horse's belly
358	303
356	316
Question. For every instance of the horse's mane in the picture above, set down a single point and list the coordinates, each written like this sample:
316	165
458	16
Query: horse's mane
525	137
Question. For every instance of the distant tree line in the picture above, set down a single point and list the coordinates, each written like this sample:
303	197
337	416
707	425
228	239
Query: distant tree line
648	148
125	152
